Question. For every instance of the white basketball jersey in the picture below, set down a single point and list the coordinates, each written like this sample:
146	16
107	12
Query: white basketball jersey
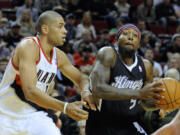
12	101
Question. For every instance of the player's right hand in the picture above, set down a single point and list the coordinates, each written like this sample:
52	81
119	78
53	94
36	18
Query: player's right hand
151	92
73	110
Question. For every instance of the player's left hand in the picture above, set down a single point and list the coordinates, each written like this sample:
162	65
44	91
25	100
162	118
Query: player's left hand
73	110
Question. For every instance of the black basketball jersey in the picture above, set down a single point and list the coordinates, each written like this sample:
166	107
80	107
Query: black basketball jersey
117	117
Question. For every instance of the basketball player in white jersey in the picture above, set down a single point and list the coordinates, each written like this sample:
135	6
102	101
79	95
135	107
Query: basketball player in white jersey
32	68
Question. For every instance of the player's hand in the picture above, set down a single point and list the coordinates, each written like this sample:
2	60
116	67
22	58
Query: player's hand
168	129
151	92
90	100
73	110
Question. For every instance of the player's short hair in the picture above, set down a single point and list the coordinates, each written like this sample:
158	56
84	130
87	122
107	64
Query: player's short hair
46	18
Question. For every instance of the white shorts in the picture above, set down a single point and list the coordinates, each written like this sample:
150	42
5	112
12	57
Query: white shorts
37	123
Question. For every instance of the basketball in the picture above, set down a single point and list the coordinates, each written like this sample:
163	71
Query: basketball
171	100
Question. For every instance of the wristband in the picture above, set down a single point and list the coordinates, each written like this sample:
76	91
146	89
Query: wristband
65	106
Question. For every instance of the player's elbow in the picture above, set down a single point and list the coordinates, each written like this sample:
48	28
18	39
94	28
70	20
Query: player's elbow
29	93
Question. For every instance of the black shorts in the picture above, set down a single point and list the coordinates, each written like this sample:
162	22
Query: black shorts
122	129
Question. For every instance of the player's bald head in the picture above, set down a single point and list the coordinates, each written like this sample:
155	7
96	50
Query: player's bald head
46	17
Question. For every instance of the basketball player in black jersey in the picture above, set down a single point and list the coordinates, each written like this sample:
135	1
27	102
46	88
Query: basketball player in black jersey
118	81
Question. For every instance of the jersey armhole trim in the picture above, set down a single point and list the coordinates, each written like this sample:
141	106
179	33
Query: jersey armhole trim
15	67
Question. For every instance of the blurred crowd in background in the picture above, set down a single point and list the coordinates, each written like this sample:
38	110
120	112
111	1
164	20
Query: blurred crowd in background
92	24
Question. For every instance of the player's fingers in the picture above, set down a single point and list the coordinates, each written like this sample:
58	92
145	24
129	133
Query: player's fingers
96	102
78	103
78	116
156	84
91	104
80	111
157	96
157	90
86	106
81	114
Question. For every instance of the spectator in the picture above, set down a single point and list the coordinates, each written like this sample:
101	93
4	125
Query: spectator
67	48
3	25
144	43
119	22
43	5
172	73
84	56
174	46
156	2
104	39
86	24
165	13
13	36
87	39
176	6
70	27
149	54
142	25
27	25
123	8
146	11
28	5
3	64
152	37
4	51
173	62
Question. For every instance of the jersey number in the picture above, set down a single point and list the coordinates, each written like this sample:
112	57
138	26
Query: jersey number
133	103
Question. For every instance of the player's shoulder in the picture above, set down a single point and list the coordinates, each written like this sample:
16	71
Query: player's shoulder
27	48
59	52
27	45
61	57
147	62
148	66
106	55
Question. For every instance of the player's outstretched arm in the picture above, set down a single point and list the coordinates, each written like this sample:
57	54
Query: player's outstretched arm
78	78
25	58
100	76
